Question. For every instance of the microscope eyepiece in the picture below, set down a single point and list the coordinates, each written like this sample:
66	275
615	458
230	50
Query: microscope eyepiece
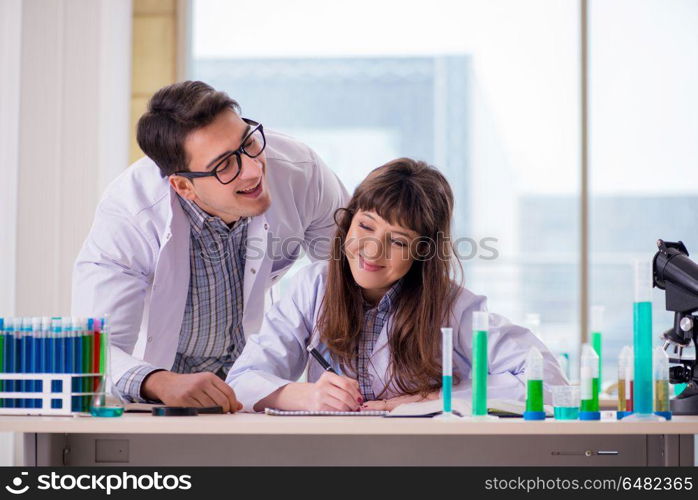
674	272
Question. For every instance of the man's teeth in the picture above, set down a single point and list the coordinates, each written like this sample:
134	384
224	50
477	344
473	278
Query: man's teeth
249	190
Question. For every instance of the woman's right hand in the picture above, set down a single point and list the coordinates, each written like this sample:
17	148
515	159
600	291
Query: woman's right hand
331	392
334	393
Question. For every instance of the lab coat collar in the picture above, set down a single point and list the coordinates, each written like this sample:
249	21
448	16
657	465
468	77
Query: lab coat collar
256	264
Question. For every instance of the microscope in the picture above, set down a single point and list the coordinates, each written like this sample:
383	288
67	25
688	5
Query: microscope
677	275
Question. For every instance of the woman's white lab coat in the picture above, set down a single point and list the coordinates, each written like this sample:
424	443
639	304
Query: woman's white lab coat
277	355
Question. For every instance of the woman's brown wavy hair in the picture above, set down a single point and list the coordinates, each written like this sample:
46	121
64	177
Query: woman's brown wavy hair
417	196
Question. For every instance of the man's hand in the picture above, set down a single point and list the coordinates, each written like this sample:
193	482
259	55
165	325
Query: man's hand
190	389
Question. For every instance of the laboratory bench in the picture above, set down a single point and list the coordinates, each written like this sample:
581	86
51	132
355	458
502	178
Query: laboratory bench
255	439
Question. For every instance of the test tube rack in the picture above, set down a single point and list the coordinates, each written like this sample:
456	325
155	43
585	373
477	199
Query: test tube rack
53	393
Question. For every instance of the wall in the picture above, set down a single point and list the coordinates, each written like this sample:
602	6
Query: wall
64	129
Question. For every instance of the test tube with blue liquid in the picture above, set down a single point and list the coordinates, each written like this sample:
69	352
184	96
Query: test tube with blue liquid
9	360
58	355
642	344
2	358
447	375
25	363
34	346
566	402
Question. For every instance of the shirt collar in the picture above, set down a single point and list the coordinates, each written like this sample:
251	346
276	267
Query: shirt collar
388	300
198	218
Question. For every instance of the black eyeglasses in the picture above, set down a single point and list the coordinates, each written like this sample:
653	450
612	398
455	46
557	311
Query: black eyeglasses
226	171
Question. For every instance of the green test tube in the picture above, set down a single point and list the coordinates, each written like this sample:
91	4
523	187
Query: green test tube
589	378
479	395
596	337
534	386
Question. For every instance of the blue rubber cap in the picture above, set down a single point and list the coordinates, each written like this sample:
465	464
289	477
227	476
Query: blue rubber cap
622	414
589	415
534	415
665	414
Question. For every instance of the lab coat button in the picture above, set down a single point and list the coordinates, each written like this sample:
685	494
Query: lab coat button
253	270
150	339
266	227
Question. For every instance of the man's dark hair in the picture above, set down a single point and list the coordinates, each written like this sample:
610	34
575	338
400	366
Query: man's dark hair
172	113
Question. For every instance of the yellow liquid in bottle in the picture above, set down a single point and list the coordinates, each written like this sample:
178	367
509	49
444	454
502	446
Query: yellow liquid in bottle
661	395
622	397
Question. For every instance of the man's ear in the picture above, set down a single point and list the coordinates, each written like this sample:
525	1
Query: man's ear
182	187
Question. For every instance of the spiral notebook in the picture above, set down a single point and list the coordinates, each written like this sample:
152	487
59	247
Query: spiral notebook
324	413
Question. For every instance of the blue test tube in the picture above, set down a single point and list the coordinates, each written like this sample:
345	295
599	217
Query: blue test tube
642	328
57	353
34	358
447	371
44	345
642	344
9	360
2	358
447	366
44	360
54	346
68	357
76	333
27	385
66	334
17	334
18	357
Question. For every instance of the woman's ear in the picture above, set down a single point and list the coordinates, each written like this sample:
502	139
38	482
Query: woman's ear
182	186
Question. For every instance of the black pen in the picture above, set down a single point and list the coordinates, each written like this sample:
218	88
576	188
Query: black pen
325	365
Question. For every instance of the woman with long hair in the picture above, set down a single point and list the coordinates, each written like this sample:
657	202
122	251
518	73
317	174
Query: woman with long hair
376	309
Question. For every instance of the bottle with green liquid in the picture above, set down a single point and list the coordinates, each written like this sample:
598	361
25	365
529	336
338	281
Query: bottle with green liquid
589	378
481	324
534	386
105	403
597	338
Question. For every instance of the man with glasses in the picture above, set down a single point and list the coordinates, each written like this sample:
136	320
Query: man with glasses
188	240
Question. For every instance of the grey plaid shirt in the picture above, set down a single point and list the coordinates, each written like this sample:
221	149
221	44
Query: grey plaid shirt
211	337
374	319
